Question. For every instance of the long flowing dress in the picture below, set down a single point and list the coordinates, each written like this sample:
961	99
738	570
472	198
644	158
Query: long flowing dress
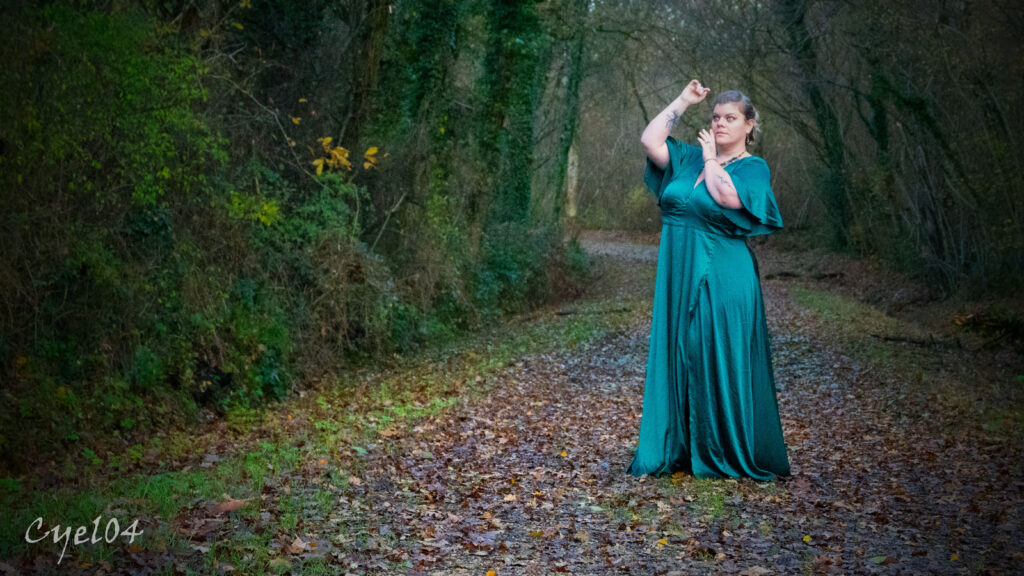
709	405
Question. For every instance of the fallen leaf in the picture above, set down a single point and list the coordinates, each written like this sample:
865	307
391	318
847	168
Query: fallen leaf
229	506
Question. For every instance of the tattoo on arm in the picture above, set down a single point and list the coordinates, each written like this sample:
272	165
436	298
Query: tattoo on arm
673	119
725	181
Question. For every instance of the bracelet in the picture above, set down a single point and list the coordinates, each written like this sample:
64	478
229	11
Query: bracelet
706	160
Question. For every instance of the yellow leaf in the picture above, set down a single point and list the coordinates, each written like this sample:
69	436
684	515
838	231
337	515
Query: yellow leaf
663	542
807	538
366	165
295	120
442	129
291	142
564	453
492	573
236	25
371	150
537	533
339	158
245	4
302	100
954	558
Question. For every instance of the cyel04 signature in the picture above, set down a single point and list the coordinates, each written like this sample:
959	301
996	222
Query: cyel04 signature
111	532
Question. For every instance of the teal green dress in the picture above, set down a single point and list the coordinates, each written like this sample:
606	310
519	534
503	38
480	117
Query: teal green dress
710	406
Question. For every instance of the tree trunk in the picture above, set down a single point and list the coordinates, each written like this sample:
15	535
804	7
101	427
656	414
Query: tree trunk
801	47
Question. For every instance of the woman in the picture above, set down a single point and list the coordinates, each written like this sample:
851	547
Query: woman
709	405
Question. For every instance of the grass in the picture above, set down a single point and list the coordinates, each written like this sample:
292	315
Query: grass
343	418
855	322
710	500
996	408
155	499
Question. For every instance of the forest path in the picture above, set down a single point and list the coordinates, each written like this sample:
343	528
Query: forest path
900	465
507	452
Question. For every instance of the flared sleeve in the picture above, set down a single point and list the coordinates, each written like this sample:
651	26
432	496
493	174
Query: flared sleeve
760	213
679	153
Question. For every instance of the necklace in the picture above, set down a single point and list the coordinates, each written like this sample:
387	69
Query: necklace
700	177
730	161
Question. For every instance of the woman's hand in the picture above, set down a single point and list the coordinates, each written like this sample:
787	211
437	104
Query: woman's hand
707	143
694	92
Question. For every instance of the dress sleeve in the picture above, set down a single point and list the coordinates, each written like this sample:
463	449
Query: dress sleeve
679	153
760	213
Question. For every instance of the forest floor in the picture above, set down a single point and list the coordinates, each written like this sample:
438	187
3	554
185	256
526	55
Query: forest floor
507	452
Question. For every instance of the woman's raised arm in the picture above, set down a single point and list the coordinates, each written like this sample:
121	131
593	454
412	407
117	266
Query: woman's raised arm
658	130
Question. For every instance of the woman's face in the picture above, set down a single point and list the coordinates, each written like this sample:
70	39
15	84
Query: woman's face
728	124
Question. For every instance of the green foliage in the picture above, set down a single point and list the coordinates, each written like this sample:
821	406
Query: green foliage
170	249
512	81
146	371
261	342
102	139
329	209
513	267
577	261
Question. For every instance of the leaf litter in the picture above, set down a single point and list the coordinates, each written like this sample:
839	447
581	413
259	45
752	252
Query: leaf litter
893	469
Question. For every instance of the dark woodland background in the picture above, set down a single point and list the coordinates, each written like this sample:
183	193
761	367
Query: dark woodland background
209	205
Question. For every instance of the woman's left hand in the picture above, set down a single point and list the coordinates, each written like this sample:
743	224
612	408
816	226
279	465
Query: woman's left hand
707	142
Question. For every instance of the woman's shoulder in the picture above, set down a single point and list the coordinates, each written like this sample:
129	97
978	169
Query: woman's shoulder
755	162
751	168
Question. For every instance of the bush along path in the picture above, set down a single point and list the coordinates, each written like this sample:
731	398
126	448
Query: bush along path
507	455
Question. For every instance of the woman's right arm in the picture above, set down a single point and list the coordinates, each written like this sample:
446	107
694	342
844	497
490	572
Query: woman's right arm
658	130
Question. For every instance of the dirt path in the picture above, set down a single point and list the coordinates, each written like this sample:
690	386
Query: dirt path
905	442
887	478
